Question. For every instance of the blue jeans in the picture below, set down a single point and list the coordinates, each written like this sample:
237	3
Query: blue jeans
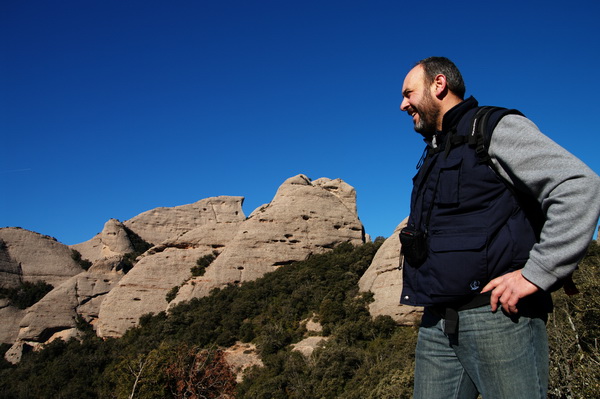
492	354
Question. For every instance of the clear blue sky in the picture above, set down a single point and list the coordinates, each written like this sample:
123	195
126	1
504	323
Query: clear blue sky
111	108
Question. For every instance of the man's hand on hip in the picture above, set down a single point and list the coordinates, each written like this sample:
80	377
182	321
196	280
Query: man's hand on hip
508	289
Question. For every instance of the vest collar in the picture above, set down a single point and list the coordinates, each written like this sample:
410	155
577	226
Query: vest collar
436	142
455	114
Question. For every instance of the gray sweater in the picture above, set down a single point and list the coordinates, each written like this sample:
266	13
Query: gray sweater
567	189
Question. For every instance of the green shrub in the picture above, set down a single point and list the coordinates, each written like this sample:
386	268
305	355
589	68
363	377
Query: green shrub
26	294
202	263
362	357
172	293
84	263
139	247
574	334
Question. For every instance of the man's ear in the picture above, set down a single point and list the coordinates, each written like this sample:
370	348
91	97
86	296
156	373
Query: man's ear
440	85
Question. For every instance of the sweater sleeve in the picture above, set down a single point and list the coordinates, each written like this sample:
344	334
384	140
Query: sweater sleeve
567	189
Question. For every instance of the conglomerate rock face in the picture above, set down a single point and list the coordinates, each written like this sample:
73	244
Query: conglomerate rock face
80	295
10	269
112	241
29	257
10	316
305	217
56	314
160	224
144	288
41	258
384	279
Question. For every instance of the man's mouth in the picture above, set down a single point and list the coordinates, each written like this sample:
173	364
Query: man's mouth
414	115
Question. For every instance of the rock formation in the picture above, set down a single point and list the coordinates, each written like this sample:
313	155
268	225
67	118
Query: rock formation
240	357
160	224
384	279
144	289
42	258
305	217
313	338
112	241
10	317
55	315
10	270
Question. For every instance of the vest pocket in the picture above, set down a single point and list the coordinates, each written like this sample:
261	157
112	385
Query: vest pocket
457	264
448	183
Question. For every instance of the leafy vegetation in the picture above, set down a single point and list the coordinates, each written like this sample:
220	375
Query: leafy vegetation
139	247
200	374
179	355
26	294
203	263
84	263
574	334
172	293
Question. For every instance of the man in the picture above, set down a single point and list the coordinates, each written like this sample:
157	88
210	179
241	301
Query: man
474	254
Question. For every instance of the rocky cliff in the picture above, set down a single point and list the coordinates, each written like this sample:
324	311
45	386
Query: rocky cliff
167	265
39	257
10	269
384	279
305	217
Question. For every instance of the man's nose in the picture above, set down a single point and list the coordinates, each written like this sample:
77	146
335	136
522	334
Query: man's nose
404	104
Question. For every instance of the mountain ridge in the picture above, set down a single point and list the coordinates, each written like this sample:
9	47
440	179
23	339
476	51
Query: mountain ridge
305	217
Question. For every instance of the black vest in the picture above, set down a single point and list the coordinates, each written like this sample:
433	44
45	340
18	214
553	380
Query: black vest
475	228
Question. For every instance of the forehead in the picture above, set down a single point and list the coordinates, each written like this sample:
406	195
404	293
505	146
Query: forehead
414	79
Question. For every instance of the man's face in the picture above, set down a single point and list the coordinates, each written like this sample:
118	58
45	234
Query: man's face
419	103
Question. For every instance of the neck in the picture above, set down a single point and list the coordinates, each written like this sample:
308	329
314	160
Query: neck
447	104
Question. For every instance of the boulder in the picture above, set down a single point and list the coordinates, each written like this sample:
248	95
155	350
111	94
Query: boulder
15	352
308	345
384	279
240	357
314	339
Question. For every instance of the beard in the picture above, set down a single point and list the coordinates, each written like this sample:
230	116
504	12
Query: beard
428	115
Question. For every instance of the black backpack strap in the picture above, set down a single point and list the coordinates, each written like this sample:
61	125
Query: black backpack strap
482	126
484	122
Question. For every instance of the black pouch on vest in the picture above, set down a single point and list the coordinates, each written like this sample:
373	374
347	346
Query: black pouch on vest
414	246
